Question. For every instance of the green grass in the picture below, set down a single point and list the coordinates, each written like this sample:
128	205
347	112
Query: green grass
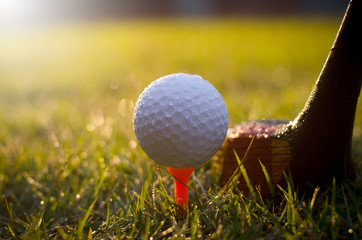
69	163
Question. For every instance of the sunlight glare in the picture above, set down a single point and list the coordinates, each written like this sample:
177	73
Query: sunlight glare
18	13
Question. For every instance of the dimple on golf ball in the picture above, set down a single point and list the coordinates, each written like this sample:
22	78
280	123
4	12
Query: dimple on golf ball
180	120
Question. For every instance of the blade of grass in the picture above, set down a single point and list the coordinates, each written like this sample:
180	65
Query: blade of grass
350	222
314	197
282	214
248	182
99	185
10	213
62	233
143	196
194	225
226	187
147	228
333	203
84	220
246	211
107	218
11	230
131	201
90	208
142	200
163	191
290	204
268	180
89	237
114	195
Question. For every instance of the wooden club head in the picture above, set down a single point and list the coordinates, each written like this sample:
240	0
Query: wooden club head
315	146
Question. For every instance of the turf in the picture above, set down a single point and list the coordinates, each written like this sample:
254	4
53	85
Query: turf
70	167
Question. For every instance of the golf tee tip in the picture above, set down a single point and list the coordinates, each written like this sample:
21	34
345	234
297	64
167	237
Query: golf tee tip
181	178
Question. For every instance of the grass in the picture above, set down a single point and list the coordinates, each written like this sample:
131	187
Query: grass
70	167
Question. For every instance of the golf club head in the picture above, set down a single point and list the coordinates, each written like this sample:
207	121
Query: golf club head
315	147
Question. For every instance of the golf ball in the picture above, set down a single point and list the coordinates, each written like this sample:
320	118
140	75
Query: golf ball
180	120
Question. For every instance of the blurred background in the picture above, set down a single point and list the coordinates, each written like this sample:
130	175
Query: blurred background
17	13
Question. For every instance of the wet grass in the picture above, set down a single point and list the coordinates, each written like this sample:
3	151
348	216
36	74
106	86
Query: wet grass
70	167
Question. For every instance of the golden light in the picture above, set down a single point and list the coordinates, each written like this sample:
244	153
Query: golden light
18	13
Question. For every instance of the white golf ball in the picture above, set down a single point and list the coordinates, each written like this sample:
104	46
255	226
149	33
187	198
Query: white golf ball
180	120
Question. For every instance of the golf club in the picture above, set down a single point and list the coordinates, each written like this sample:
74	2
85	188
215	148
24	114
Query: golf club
315	146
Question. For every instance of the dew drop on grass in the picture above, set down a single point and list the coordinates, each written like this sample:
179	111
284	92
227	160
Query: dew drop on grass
85	164
91	127
115	160
83	155
125	106
132	144
98	120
